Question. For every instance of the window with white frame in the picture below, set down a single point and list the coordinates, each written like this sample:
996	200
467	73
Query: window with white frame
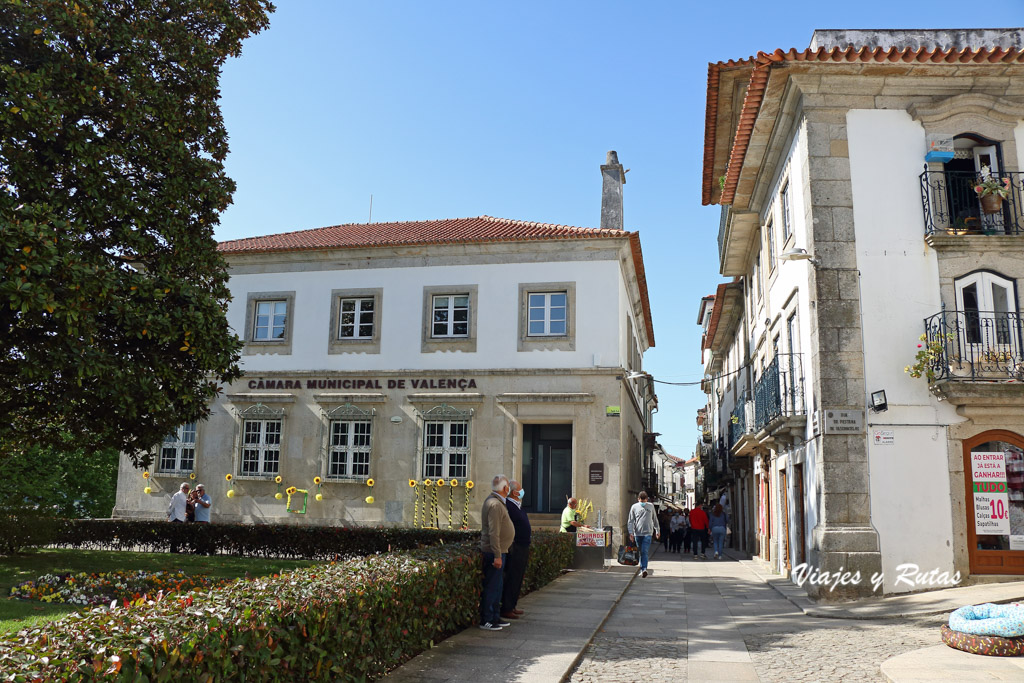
357	318
270	320
450	316
350	442
446	442
787	227
547	314
446	449
261	441
178	451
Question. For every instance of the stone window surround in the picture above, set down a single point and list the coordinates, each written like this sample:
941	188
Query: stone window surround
241	402
158	472
430	344
328	402
986	115
335	344
566	342
278	346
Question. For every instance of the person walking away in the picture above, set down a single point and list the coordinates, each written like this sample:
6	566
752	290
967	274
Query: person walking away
675	526
642	522
496	534
718	522
686	530
518	554
570	520
664	516
699	532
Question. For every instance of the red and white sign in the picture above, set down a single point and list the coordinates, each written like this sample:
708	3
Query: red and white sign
991	504
590	539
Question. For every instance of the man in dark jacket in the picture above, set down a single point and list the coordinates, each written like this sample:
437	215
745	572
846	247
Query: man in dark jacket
518	554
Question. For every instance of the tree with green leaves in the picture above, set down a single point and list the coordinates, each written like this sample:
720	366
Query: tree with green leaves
112	293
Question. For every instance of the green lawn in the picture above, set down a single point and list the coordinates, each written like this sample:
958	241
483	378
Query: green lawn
17	614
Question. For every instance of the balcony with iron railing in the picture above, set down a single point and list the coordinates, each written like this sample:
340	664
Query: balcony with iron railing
975	346
742	426
952	207
779	394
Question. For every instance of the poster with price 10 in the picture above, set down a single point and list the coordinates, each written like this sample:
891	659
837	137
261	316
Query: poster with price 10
991	504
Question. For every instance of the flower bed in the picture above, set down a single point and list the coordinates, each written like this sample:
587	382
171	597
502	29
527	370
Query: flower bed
349	621
247	540
101	589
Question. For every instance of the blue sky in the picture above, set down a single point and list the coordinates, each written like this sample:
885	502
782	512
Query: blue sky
449	109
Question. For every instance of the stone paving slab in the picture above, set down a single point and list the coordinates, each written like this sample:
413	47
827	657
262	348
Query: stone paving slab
543	645
943	663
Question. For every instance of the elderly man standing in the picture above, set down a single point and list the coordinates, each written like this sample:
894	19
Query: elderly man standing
496	535
176	511
518	554
569	518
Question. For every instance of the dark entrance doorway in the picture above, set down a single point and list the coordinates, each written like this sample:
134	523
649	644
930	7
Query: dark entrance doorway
547	467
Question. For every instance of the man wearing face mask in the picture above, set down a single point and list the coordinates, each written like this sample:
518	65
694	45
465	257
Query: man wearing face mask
518	553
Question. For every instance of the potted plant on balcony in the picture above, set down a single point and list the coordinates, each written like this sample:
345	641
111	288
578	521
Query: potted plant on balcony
991	190
929	356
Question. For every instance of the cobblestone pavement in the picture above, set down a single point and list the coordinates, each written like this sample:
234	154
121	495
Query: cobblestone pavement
716	621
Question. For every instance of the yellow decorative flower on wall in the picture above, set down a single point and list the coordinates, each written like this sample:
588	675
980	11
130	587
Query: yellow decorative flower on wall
277	479
427	482
231	493
145	475
291	490
228	477
191	475
319	497
279	495
455	482
147	490
369	500
469	484
371	482
412	483
440	482
316	480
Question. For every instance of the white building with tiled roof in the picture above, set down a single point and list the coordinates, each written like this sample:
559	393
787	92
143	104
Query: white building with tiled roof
856	244
454	349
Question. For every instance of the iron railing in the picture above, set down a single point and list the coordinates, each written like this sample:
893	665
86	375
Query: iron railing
974	345
779	392
951	206
741	420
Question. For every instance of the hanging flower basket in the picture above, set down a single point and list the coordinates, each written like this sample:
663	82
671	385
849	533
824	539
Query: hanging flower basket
991	203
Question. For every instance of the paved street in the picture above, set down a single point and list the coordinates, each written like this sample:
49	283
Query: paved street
717	621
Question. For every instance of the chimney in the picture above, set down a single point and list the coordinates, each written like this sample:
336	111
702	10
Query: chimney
613	178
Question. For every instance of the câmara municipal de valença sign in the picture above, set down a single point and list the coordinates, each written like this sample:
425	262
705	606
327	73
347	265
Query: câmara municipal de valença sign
460	383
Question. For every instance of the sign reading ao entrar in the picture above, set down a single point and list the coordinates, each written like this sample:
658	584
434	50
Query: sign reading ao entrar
991	504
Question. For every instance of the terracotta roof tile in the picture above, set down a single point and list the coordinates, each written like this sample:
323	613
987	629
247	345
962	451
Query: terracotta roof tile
760	72
445	231
481	229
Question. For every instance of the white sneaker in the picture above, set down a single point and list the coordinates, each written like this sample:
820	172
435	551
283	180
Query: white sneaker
490	627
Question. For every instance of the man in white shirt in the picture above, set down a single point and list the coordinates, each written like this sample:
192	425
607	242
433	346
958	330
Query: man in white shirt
179	502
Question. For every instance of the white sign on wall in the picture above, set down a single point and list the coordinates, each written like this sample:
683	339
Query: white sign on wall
884	437
991	505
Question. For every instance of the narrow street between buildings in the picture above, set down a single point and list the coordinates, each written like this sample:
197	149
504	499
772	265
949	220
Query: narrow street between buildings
708	620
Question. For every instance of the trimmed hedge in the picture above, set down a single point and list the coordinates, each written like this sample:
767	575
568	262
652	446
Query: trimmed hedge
347	621
247	540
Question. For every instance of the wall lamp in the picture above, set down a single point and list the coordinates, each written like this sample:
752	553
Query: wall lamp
799	254
878	402
634	375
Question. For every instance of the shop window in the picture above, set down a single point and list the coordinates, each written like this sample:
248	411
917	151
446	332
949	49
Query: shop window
997	483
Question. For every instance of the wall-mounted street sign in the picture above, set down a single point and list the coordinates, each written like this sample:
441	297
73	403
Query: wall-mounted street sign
844	421
597	473
612	411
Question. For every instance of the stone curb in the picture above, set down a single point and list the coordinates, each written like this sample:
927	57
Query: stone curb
576	660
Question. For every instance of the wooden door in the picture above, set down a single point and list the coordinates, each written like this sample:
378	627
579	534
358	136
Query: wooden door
798	513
